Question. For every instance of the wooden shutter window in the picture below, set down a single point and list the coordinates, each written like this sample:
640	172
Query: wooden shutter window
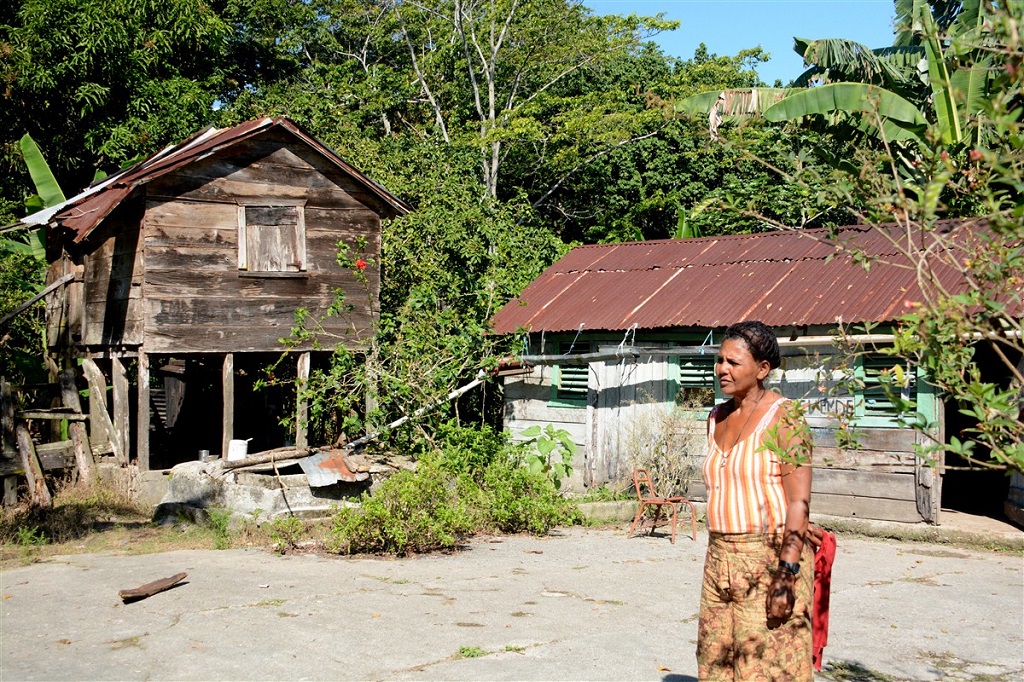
272	238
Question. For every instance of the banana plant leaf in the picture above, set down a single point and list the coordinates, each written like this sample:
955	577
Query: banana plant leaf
32	243
738	103
946	112
46	185
852	98
850	61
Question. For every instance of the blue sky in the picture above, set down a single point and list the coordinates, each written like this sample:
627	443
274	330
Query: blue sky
728	26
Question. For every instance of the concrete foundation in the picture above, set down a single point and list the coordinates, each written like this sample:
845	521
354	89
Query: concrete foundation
192	486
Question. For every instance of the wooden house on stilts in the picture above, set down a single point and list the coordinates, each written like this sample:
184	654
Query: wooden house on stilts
181	275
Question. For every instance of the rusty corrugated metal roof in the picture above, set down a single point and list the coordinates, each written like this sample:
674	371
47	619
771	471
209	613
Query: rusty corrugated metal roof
83	212
795	277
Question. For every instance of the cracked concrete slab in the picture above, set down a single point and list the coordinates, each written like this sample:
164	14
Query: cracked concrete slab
579	604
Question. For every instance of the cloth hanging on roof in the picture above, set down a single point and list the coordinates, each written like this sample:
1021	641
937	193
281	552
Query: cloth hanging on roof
823	558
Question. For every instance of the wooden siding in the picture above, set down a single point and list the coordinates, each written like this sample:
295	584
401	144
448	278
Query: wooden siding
112	292
881	480
527	403
630	396
196	297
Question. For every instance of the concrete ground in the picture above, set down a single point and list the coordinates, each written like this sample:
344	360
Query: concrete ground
579	604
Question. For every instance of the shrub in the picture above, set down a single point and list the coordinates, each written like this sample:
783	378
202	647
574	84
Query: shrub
469	451
413	511
475	482
519	500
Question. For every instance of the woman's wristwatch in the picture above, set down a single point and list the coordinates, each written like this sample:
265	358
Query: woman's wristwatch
793	568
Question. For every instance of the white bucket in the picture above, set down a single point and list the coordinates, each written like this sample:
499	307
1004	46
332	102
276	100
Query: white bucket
237	449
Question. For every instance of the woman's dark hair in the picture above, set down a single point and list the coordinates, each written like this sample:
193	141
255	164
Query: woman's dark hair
760	340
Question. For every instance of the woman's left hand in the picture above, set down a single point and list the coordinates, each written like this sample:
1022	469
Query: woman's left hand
781	598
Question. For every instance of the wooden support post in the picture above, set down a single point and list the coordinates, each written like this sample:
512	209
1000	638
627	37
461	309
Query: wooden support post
228	412
8	441
142	434
101	428
76	429
301	403
10	491
121	436
39	493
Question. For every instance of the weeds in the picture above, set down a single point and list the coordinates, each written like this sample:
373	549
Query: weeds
286	533
471	652
669	444
219	521
77	510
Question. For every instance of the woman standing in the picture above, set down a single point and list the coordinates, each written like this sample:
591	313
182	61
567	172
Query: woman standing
755	606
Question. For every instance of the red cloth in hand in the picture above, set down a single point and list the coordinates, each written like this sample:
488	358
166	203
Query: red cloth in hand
823	558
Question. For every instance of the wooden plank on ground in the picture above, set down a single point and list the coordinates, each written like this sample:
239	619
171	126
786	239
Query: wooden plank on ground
149	589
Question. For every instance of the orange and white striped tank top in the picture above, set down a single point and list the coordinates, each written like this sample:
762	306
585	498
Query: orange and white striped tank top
745	493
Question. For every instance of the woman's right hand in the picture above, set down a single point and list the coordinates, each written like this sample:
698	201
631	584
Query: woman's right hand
781	598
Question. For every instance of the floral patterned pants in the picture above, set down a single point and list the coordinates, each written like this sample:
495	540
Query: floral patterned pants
733	639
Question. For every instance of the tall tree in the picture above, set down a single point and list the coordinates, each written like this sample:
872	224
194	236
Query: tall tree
98	82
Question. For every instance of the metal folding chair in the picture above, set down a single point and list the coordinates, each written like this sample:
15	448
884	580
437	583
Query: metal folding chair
641	481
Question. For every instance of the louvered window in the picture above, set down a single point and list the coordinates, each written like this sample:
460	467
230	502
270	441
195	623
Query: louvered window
570	381
872	403
696	387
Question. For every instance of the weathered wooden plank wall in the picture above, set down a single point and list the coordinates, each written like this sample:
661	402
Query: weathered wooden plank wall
527	404
113	272
197	299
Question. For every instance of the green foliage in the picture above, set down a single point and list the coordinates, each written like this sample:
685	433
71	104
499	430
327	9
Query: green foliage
411	512
518	500
286	533
475	482
21	337
790	438
29	537
49	192
219	522
471	652
550	452
97	82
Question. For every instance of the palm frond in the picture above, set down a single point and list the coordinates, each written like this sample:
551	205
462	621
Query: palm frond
849	61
